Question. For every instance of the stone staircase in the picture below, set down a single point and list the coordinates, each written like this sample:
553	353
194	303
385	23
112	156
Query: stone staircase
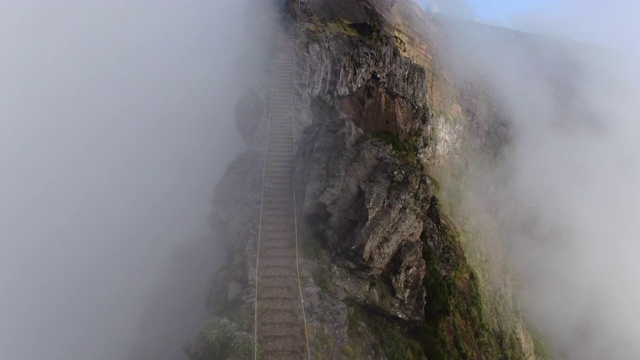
280	322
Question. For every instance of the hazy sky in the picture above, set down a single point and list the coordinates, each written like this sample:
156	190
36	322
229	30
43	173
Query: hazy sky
116	120
569	204
611	23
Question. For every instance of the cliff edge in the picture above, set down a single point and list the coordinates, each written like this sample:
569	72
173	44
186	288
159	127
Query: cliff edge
379	121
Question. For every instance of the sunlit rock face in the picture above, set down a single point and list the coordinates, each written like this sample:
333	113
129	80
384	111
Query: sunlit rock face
377	112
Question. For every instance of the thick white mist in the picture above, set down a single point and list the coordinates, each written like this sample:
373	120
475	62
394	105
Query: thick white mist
568	197
116	120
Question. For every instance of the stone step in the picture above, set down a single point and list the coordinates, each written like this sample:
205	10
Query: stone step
279	190
277	225
280	157
291	250
281	151
279	184
270	229
283	120
269	316
272	205
281	236
277	304
284	270
269	200
273	226
284	133
277	260
284	130
282	95
285	105
282	148
281	126
285	186
281	343
269	218
284	355
282	139
277	178
285	330
279	167
282	293
278	252
280	163
286	235
278	210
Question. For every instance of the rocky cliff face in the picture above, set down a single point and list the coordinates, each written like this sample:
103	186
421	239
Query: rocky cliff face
382	116
385	274
369	208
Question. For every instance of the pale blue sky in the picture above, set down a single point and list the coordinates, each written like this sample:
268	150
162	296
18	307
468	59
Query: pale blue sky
502	9
489	10
613	23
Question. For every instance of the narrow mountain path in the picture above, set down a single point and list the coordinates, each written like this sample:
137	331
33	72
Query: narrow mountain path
279	312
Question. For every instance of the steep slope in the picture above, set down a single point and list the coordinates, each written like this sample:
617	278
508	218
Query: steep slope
386	271
383	116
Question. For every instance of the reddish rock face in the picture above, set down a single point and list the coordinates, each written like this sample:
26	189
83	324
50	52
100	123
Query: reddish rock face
372	108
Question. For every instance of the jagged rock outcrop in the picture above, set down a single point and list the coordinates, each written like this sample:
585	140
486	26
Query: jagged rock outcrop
379	119
372	83
369	207
371	121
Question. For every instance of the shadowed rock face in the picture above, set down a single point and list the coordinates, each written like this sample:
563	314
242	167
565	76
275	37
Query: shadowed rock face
370	121
353	11
374	86
370	208
369	204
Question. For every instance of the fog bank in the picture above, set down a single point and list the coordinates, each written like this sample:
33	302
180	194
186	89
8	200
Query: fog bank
116	122
564	191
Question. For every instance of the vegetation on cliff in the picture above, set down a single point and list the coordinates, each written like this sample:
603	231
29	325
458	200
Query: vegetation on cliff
386	272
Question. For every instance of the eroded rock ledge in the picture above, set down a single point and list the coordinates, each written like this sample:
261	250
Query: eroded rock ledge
384	274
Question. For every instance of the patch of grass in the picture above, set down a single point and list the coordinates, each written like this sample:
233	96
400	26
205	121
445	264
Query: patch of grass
326	339
434	183
316	38
394	340
323	278
403	150
349	352
228	341
455	326
311	247
353	321
542	351
321	340
391	139
324	28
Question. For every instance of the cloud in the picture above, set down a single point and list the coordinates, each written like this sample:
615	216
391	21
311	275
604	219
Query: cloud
565	190
117	120
457	8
